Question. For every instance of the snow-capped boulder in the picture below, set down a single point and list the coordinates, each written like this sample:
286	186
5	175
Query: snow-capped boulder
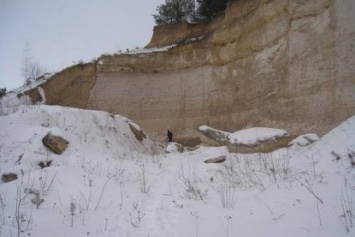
256	139
219	159
304	140
213	136
255	136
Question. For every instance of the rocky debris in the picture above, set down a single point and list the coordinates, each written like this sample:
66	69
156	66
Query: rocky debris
138	133
55	143
219	159
8	177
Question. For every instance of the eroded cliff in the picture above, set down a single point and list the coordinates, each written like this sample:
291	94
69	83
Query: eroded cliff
286	64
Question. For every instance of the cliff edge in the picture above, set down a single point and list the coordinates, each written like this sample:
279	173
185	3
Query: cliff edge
275	63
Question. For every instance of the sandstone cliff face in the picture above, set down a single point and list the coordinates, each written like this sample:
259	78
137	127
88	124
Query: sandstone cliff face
71	87
286	64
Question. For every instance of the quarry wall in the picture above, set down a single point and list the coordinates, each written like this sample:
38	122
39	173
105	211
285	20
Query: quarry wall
280	63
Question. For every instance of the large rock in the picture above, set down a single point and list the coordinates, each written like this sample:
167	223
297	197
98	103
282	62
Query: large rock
213	136
250	140
219	159
55	143
8	177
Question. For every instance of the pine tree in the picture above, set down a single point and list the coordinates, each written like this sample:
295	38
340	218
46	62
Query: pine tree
174	11
208	9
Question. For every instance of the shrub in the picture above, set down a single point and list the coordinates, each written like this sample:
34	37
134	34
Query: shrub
2	92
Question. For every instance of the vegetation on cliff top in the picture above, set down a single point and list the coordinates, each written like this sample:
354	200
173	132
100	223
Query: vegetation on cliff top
174	11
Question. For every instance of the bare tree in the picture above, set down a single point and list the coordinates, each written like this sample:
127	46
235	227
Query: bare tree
30	69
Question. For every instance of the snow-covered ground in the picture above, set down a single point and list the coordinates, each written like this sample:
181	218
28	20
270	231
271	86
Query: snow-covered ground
109	184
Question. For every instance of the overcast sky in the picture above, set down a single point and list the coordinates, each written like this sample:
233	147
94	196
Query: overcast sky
60	32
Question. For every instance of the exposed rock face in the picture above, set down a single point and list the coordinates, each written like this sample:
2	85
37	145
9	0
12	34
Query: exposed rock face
270	63
181	33
71	87
56	143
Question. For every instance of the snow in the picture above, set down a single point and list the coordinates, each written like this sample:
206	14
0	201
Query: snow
151	50
119	186
253	136
10	103
304	140
42	94
173	147
219	134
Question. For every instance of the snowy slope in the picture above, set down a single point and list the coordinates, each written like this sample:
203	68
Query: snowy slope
109	184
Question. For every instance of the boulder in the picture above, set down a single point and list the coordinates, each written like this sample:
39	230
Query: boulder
138	133
219	159
212	136
8	177
55	143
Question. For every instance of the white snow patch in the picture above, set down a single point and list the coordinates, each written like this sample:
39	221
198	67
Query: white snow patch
150	50
304	140
43	95
10	103
172	147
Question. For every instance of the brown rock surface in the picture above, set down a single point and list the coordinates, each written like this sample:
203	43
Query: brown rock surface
8	177
269	63
56	143
139	134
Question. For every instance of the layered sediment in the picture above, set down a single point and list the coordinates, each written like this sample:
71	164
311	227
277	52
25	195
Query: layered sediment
275	63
